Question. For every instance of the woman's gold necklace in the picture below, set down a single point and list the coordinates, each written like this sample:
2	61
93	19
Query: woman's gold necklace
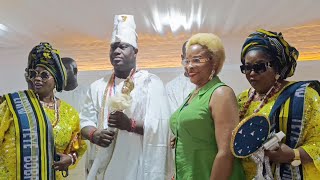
56	113
56	106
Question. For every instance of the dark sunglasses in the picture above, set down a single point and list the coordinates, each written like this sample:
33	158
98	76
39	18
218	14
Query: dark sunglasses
44	75
257	68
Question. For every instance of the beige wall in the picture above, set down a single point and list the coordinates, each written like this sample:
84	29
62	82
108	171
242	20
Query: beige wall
12	75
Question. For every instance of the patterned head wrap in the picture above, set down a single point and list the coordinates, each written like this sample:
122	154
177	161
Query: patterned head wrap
43	55
284	55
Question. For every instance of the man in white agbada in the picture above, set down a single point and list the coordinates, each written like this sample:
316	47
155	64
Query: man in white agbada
141	144
179	88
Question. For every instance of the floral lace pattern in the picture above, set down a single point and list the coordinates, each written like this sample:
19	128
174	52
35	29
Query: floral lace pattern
7	144
310	140
67	131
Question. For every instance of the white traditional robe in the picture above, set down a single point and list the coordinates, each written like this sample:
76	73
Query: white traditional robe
135	157
177	90
75	97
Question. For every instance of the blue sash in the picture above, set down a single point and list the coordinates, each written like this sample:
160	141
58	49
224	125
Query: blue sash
34	137
295	94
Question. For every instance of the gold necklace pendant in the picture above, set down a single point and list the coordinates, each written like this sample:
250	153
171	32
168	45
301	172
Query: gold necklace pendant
56	113
56	107
48	105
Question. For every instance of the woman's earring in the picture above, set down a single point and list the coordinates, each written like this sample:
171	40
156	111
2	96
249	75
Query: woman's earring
211	75
277	77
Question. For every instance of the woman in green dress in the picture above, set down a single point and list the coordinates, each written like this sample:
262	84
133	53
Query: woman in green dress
204	122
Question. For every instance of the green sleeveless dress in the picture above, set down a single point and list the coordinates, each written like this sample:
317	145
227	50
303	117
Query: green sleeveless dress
196	145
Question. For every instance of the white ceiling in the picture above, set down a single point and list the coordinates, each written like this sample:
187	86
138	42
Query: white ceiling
82	28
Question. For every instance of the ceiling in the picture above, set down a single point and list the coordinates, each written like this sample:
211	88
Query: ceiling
82	29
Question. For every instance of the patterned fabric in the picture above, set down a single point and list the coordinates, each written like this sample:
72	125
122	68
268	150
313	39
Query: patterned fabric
65	135
310	139
67	132
250	135
26	133
284	54
45	56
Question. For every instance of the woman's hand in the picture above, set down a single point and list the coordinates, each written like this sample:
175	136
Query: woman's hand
173	142
284	154
64	163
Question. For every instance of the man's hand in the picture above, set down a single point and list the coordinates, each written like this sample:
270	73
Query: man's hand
103	137
119	120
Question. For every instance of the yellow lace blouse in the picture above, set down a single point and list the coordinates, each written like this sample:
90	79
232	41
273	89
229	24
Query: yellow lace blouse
66	136
310	140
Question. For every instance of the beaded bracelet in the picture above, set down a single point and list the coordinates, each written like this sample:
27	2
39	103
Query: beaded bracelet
75	157
72	160
91	135
133	125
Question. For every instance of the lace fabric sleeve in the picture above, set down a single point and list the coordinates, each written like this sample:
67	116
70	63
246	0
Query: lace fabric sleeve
7	143
310	141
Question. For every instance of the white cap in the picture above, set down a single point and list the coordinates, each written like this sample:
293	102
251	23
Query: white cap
124	30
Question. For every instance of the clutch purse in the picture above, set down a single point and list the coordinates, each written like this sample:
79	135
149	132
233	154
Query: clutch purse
250	134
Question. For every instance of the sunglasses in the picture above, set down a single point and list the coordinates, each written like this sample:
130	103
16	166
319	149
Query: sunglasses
195	61
44	75
257	68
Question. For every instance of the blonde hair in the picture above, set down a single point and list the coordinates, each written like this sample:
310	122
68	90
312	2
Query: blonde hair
213	43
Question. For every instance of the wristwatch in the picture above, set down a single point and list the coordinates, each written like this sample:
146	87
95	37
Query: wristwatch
296	161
